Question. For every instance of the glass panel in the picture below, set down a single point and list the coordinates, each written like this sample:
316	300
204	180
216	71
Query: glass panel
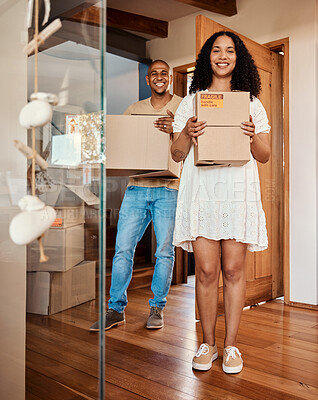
52	242
13	82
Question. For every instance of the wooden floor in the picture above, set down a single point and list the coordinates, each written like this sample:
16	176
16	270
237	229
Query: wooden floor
279	345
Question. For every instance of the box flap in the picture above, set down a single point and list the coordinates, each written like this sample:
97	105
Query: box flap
84	194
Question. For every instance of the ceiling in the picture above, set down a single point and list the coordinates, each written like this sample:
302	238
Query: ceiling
166	10
130	23
163	10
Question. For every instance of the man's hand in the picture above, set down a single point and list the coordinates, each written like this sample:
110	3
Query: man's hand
164	124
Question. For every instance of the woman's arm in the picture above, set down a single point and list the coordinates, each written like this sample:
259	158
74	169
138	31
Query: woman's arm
260	146
182	140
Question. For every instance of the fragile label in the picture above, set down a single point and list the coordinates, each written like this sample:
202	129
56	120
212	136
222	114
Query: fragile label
211	100
58	222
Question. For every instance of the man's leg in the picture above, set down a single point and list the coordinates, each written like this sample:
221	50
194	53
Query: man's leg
134	217
163	214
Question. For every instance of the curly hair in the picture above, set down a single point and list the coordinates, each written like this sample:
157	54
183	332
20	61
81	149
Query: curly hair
245	76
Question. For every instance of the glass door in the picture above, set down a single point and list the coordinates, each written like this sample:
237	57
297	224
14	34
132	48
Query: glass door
52	201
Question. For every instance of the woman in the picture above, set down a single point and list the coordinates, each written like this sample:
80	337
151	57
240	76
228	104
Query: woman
219	211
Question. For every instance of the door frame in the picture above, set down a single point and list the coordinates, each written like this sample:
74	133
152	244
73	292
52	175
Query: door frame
179	77
180	270
283	45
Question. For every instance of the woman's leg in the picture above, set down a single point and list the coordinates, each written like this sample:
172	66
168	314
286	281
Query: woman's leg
207	271
233	268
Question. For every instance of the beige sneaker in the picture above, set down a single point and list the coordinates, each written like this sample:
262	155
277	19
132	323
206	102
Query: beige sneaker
204	357
232	360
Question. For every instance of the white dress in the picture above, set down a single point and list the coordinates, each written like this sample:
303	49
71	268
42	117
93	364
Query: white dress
220	202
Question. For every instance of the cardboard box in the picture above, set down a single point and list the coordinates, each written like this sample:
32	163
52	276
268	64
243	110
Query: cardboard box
52	292
92	214
223	143
135	146
92	242
222	146
64	247
69	216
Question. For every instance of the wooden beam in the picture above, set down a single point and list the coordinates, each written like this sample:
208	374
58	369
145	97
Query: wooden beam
119	42
224	7
65	9
89	16
73	32
123	20
138	23
127	45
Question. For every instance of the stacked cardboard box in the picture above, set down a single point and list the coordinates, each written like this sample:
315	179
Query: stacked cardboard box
65	280
52	292
91	233
223	143
135	146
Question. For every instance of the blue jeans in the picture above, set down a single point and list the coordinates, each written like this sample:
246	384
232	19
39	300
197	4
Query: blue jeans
141	205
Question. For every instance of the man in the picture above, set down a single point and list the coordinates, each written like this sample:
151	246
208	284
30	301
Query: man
146	199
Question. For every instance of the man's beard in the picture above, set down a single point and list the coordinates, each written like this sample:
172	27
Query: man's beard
160	93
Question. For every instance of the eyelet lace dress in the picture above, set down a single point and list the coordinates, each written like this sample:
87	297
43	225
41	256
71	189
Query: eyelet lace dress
220	202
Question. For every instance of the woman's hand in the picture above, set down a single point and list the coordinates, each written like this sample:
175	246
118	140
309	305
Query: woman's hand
182	140
164	124
260	145
248	128
194	128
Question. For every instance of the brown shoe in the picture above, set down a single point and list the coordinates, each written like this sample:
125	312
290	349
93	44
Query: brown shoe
204	357
112	318
155	319
232	360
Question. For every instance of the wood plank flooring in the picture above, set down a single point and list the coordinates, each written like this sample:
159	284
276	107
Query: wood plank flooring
279	345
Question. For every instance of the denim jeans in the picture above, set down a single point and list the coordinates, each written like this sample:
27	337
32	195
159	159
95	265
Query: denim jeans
141	205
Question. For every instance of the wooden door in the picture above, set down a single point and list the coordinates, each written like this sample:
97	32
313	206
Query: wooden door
263	269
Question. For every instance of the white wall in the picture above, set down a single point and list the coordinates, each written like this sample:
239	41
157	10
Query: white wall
122	83
72	71
317	125
266	21
13	83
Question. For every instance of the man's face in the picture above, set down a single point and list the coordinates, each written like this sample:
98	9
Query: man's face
158	78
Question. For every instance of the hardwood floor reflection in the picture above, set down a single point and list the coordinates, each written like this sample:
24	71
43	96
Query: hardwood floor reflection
279	345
